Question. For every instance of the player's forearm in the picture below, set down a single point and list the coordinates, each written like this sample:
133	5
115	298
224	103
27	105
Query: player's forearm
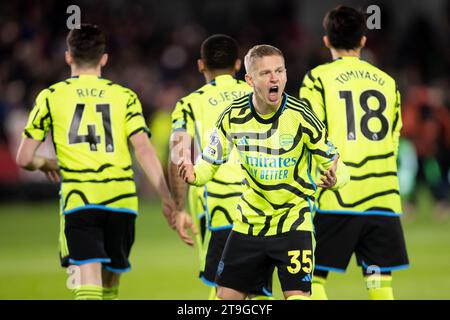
33	163
204	172
178	187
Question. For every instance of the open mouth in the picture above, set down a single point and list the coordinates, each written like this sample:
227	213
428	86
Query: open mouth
273	93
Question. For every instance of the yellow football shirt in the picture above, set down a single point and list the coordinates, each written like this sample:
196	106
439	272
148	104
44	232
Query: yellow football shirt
360	106
197	115
91	120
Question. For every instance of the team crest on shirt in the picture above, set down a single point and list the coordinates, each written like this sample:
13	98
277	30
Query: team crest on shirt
286	141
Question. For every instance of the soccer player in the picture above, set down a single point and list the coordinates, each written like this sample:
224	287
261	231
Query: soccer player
360	106
213	206
92	120
276	136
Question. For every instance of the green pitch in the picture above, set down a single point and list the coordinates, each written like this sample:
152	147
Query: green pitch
164	268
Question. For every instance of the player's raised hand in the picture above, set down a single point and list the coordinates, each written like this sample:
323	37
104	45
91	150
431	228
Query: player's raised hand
183	224
186	171
329	177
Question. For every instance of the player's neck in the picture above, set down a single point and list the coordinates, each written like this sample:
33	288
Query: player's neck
210	75
338	53
262	107
77	71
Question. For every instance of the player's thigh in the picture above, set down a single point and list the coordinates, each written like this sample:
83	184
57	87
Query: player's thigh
336	237
293	255
214	252
119	239
244	263
84	232
382	244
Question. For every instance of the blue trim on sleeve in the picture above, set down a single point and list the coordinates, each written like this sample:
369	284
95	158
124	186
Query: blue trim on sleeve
330	149
100	207
208	283
361	213
117	270
333	157
213	161
80	262
179	130
384	269
325	268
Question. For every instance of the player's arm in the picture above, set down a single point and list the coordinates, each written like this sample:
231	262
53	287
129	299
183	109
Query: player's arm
180	148
35	132
334	172
28	160
397	124
215	154
312	92
149	162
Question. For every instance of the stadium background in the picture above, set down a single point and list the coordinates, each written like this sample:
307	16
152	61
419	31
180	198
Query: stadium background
153	49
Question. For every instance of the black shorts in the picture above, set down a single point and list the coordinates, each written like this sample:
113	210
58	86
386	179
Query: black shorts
377	241
248	261
213	256
99	236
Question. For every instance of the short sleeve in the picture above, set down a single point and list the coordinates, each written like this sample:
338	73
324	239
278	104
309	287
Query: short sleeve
39	120
134	120
183	118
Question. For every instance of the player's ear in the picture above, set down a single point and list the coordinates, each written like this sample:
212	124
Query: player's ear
68	57
326	42
363	42
249	80
104	60
201	65
237	65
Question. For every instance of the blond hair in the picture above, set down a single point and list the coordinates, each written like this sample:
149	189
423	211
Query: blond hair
259	51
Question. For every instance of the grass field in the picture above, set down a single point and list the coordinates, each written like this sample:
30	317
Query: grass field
165	268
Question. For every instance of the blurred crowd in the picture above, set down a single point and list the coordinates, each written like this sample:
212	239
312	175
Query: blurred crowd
154	46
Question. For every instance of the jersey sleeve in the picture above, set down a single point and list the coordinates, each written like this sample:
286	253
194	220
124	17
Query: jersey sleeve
397	124
39	120
216	152
182	118
134	120
312	92
323	151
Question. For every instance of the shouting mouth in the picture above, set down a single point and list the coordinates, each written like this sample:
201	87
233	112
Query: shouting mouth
273	93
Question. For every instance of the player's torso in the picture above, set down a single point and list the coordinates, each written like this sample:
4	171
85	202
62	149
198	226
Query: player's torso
88	128
275	163
220	196
360	105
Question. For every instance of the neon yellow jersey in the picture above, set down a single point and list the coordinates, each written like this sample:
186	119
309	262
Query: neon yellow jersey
197	115
360	105
91	120
275	153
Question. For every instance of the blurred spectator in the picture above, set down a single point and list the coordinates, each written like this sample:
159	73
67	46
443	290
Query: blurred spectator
153	47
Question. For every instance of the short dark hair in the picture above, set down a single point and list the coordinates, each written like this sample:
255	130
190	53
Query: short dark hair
219	51
345	26
87	45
